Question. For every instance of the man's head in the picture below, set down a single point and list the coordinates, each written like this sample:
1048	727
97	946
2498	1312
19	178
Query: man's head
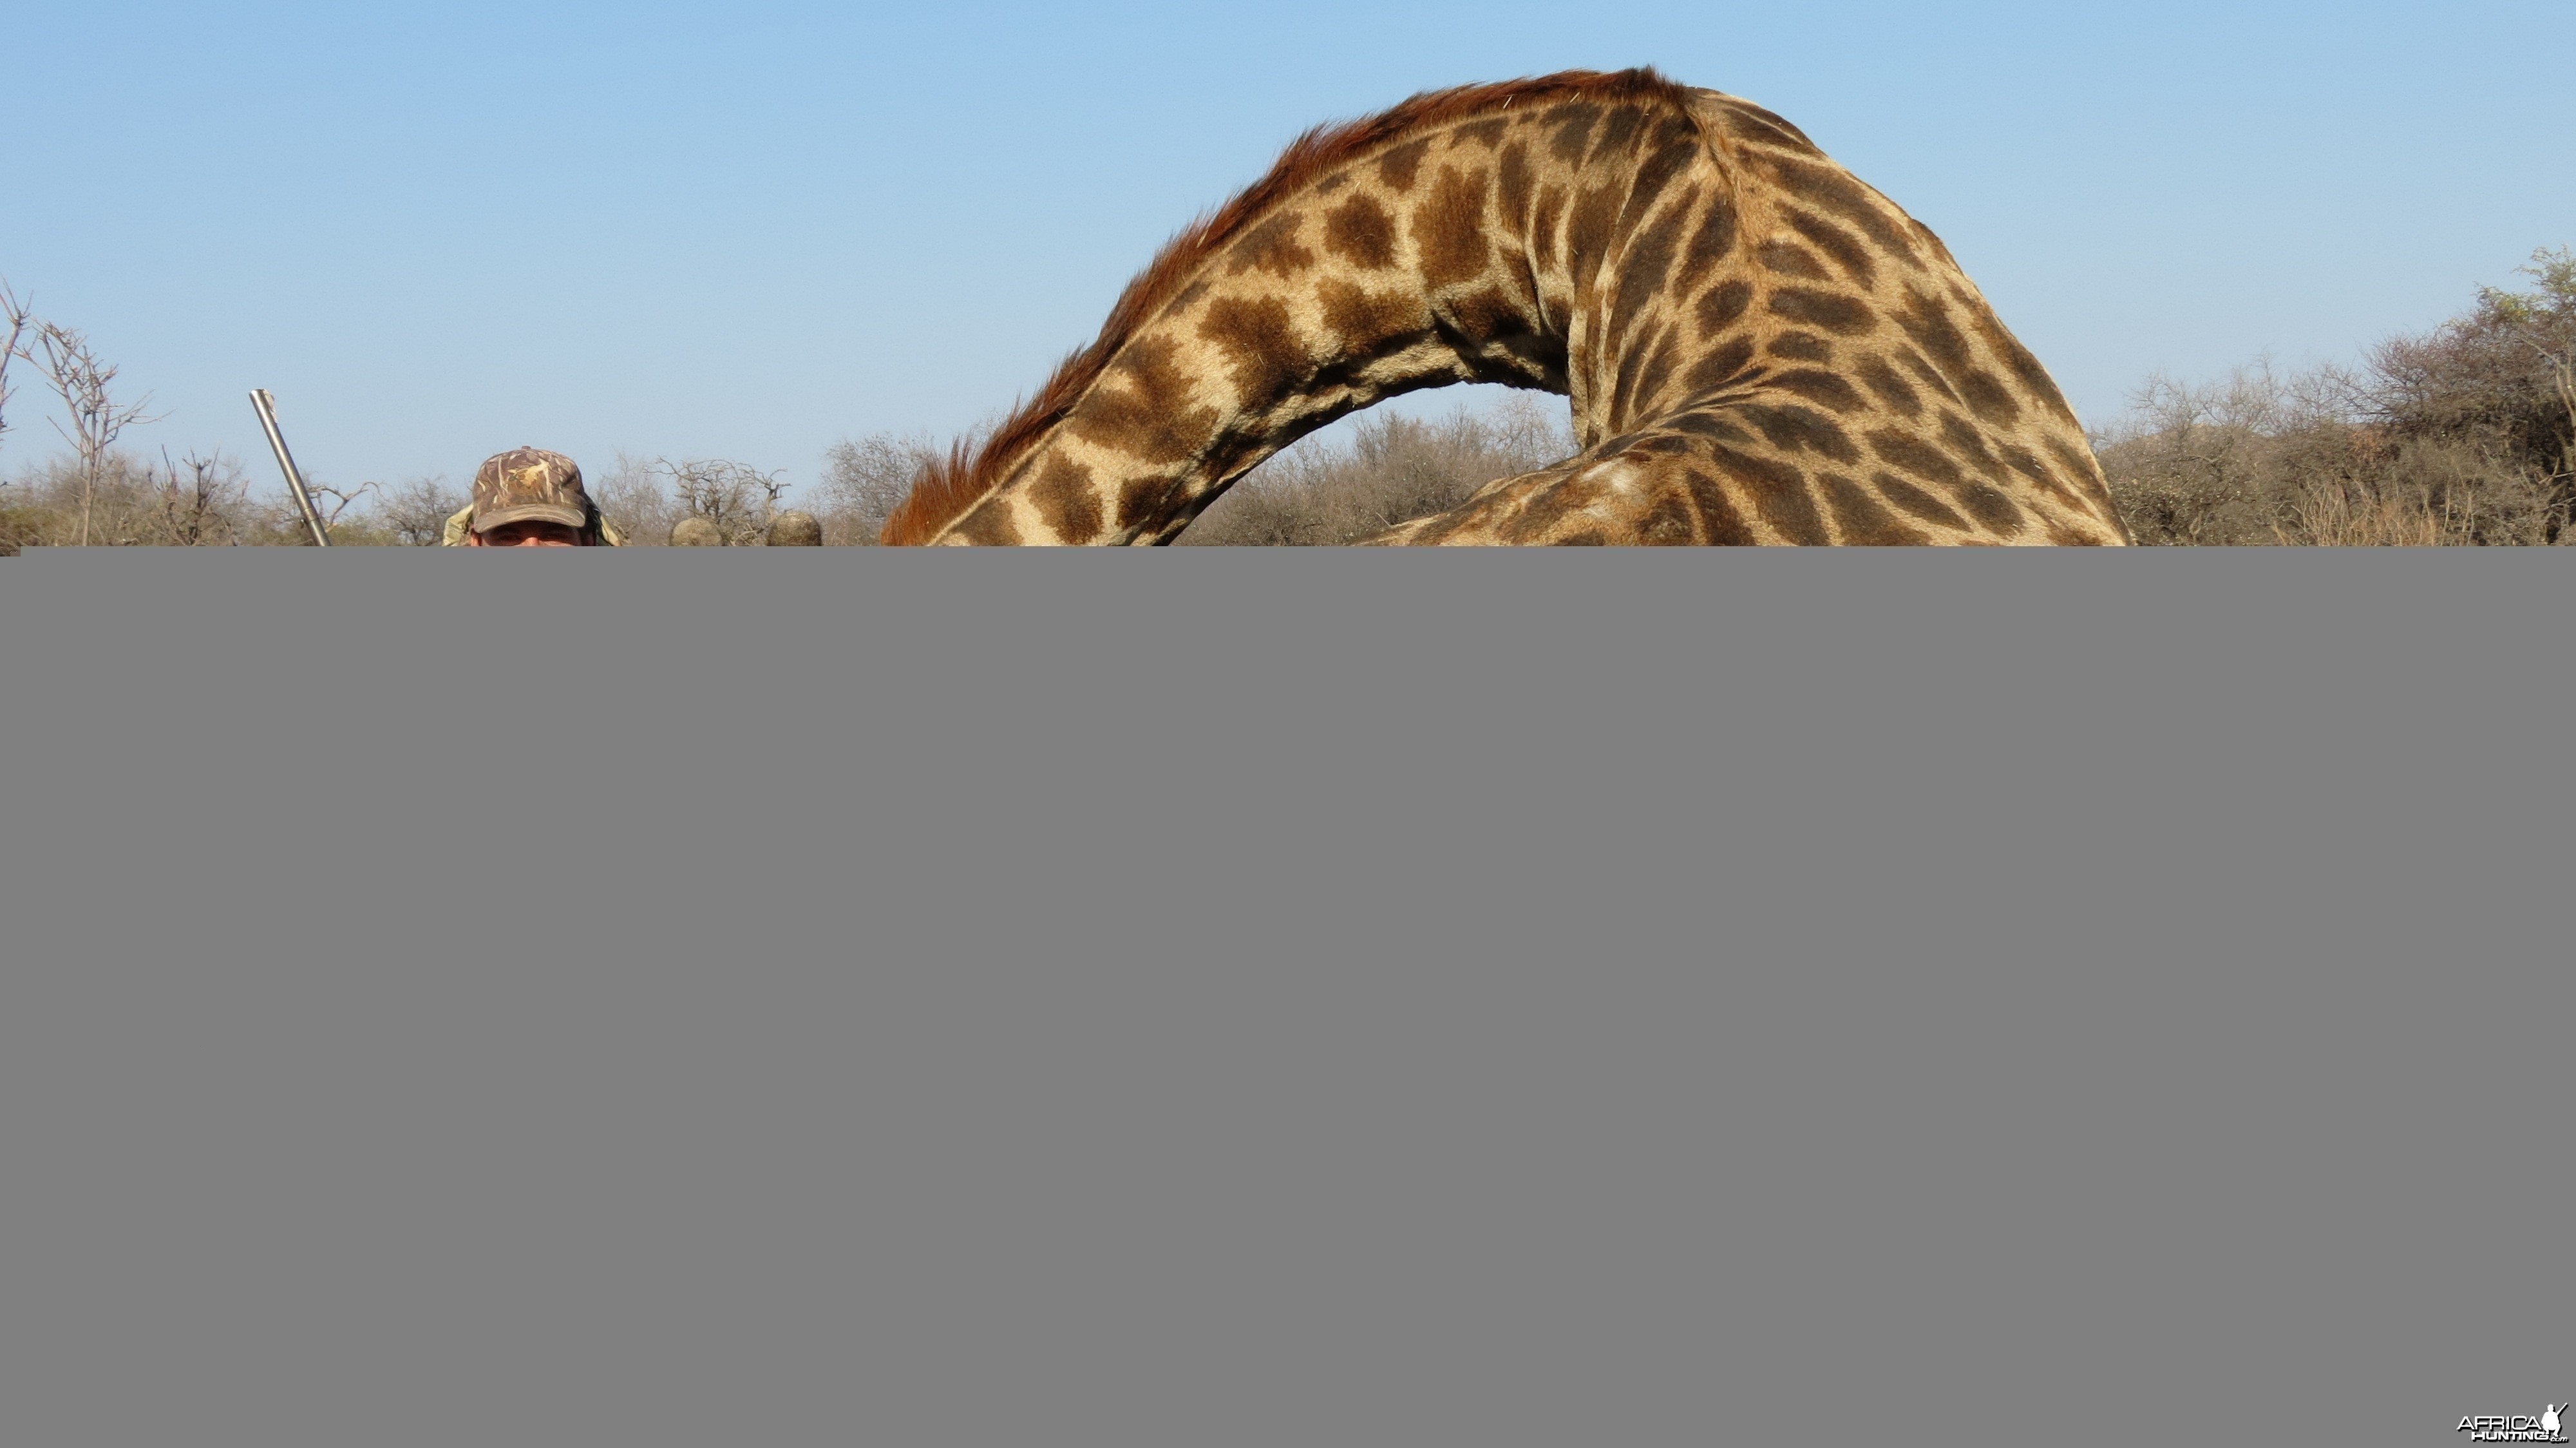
531	498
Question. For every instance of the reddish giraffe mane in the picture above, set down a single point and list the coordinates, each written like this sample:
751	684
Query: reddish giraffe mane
949	486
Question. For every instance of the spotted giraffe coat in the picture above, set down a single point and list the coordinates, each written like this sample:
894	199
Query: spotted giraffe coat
1758	348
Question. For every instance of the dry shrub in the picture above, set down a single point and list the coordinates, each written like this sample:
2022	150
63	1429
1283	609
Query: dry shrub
415	513
1391	469
190	502
2463	436
630	496
864	480
2250	462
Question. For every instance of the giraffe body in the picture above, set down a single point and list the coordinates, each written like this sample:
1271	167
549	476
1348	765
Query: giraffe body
1758	348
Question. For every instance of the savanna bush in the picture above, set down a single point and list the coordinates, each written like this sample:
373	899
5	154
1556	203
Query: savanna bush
2462	435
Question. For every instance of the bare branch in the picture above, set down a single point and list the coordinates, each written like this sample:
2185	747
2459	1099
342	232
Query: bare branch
15	316
739	499
198	511
81	380
340	499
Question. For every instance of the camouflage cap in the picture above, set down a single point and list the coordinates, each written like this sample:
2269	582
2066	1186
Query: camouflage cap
529	483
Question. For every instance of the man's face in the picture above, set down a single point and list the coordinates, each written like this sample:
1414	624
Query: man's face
527	533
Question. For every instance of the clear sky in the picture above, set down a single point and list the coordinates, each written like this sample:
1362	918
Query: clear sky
747	229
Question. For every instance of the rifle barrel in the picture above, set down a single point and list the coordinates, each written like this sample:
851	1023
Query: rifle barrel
266	407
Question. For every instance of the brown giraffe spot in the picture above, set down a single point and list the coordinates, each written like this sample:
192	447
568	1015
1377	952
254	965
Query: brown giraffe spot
1725	527
1142	406
1489	503
1797	429
2034	378
1487	133
1544	225
1654	178
1513	272
1143	502
1513	180
1789	259
1967	444
1988	397
1801	347
2025	462
1893	390
2066	537
1668	523
1930	374
1618	129
989	524
1656	372
1361	232
1760	124
1573	131
1587	232
1912	454
1588	538
1235	451
1366	320
1918	502
1842	193
1188	297
1272	247
1926	319
2000	514
1266	353
1779	493
1623	386
1865	522
1723	306
1720	367
1643	272
1830	310
1702	425
1824	388
1715	237
1848	251
1399	165
1530	522
2078	465
1489	316
1332	183
1449	228
1063	497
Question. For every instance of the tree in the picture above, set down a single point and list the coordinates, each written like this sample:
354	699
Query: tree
418	511
198	510
14	316
2492	373
737	498
82	381
864	479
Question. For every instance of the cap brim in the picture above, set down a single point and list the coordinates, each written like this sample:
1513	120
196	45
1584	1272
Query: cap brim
526	512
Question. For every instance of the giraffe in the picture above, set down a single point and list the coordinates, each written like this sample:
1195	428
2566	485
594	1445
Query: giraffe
1757	347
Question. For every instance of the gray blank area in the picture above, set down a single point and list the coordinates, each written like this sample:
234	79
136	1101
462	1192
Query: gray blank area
1283	999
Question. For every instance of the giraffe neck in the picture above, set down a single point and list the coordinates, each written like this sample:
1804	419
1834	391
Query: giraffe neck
1453	245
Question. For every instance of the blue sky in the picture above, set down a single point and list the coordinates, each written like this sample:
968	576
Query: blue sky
748	229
